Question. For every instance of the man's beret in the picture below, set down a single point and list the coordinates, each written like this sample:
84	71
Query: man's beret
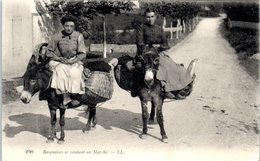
67	18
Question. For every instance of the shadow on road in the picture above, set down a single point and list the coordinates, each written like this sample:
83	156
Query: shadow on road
123	119
38	123
107	118
119	118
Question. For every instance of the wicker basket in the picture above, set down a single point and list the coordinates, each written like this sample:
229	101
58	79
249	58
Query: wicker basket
99	87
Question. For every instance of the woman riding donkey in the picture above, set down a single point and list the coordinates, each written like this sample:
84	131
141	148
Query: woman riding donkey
64	56
66	51
175	79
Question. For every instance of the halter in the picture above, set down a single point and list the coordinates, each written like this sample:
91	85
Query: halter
39	78
48	86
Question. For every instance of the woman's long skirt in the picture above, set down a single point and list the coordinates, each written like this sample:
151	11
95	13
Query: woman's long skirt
67	78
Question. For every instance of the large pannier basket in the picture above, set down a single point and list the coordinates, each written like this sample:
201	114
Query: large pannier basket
99	87
122	74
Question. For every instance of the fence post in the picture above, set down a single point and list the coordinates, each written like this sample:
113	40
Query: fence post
183	26
177	32
190	24
171	31
164	23
104	39
193	22
180	27
229	23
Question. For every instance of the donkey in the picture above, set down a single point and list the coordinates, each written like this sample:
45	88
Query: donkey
149	89
37	78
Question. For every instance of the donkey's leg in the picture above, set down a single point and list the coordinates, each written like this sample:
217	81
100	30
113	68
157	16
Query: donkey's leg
62	124
51	137
151	118
159	116
92	113
88	125
94	119
145	115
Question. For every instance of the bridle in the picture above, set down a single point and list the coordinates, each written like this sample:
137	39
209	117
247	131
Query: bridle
151	68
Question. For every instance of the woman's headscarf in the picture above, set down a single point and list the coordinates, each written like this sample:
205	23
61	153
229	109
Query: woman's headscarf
37	52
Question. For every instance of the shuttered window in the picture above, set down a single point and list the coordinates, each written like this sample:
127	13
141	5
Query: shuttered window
17	46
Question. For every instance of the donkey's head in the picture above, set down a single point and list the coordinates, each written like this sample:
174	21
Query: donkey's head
36	78
150	64
33	79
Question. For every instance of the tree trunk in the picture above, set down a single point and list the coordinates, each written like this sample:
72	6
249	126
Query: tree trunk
104	38
190	24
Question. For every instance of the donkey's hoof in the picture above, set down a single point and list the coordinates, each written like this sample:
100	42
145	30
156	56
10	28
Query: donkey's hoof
85	131
87	128
143	136
50	140
94	123
165	139
61	141
151	122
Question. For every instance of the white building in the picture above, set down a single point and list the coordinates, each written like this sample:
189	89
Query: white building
20	32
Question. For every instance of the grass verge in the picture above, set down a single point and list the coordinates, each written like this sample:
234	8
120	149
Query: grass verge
246	44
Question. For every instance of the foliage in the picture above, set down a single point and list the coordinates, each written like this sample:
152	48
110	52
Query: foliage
242	40
242	11
182	10
121	21
246	43
215	7
86	11
211	9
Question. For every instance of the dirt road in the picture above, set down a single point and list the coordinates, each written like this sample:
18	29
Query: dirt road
218	122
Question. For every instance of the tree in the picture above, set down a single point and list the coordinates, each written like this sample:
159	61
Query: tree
86	11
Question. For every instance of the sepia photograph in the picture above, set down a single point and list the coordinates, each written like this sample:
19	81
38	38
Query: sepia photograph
137	80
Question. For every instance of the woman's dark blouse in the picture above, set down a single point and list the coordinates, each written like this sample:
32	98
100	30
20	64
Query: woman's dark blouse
150	35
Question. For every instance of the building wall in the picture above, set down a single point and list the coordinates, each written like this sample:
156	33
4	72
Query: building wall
17	39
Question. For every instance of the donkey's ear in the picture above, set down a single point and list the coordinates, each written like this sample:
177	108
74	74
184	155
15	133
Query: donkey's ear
156	60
